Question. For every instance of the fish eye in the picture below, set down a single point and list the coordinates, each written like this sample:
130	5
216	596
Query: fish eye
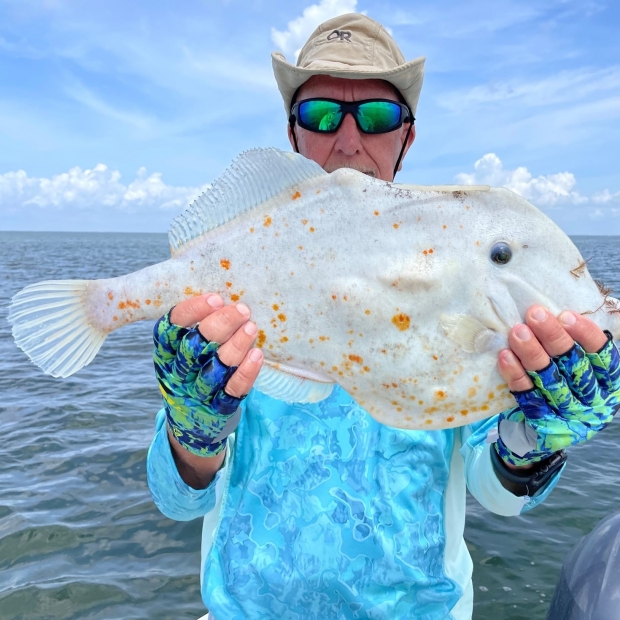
501	253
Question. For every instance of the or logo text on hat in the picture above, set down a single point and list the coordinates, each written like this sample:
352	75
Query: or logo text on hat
341	35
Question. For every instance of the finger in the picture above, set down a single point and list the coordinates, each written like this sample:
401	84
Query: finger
548	331
513	372
583	330
223	323
195	309
245	376
193	353
234	350
527	348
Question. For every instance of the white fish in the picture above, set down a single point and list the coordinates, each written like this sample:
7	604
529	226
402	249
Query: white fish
388	290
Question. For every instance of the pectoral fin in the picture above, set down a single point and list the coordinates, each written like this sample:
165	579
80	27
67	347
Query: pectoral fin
470	334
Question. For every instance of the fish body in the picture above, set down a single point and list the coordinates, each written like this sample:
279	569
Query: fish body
390	291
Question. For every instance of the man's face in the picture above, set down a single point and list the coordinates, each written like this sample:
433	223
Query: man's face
374	155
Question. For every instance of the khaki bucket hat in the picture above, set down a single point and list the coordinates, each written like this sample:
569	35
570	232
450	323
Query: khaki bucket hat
354	47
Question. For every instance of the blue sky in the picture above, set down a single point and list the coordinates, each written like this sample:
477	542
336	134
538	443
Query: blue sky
113	115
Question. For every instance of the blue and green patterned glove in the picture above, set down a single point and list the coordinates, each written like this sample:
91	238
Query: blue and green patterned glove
192	378
573	398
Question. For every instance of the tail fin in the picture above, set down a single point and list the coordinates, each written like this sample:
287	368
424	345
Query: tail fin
51	326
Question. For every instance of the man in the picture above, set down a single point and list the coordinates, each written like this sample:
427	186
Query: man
319	511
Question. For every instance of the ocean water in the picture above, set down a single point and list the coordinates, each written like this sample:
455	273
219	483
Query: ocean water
79	535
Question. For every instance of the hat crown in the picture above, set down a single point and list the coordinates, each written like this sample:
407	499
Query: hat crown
351	40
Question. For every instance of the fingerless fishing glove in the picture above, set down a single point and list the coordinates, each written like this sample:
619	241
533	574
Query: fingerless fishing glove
573	398
192	379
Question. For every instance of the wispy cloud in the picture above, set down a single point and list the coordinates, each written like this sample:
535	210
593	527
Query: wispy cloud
92	189
561	88
299	29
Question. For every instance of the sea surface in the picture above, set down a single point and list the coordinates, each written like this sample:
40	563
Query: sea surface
79	535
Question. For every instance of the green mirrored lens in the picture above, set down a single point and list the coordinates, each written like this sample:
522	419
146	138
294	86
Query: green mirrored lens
320	115
378	116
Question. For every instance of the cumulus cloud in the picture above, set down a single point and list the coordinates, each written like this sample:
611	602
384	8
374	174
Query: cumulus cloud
94	188
300	28
544	190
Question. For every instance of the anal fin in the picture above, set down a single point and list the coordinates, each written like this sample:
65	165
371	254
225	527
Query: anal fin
290	388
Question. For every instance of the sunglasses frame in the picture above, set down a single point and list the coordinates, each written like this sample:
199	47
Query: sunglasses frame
353	108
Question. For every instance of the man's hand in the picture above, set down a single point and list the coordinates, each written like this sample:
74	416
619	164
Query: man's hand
562	401
205	366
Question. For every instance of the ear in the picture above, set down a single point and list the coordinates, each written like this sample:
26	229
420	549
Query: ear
410	140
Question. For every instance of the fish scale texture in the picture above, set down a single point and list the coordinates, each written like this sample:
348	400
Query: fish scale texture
331	515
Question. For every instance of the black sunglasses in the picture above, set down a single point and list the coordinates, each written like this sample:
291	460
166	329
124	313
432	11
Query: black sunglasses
373	116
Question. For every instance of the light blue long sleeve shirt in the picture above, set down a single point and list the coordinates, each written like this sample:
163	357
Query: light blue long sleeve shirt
320	512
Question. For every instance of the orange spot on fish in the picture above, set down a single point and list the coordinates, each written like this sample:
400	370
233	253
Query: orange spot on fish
428	422
476	378
296	195
356	358
431	409
110	295
345	298
190	292
300	247
491	395
501	386
484	408
334	296
435	357
282	317
228	284
234	297
267	221
261	338
115	318
376	212
311	229
157	303
147	302
252	229
225	263
275	307
394	225
477	243
284	339
366	369
464	411
440	394
366	311
450	419
471	392
304	222
323	338
402	321
445	226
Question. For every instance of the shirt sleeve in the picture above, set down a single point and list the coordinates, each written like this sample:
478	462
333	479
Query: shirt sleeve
483	483
174	498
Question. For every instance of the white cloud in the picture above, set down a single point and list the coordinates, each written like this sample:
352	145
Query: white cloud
94	188
544	190
300	28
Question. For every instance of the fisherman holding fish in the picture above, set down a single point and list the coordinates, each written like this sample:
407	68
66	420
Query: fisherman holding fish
319	511
336	487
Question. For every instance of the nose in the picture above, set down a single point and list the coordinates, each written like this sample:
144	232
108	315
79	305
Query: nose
348	139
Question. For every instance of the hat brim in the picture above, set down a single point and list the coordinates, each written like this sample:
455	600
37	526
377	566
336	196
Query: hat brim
406	78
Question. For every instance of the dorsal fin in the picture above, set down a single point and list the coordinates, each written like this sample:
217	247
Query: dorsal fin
252	178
